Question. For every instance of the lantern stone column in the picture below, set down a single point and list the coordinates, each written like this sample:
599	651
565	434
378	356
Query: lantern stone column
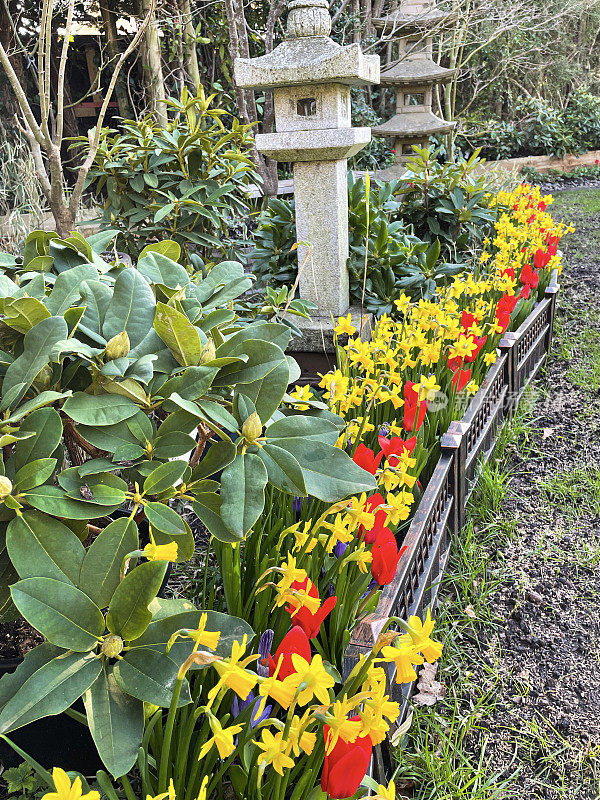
310	76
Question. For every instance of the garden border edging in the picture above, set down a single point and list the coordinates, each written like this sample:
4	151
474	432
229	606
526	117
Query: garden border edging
440	514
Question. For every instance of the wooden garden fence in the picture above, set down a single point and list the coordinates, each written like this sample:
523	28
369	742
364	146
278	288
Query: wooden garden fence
440	515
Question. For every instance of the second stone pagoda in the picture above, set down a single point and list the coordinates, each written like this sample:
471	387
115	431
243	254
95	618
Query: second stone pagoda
413	75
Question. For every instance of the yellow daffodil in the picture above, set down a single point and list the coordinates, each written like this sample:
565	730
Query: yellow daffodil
160	552
233	674
67	791
222	738
345	326
420	634
405	656
312	680
302	393
275	751
340	727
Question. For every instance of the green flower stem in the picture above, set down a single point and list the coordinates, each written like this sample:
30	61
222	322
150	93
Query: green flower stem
165	755
129	793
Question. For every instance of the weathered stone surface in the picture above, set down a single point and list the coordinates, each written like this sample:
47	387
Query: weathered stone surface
317	145
317	333
310	60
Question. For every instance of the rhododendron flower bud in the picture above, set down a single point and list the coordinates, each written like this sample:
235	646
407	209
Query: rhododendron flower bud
118	346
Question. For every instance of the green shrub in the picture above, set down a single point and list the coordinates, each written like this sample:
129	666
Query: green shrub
540	129
187	181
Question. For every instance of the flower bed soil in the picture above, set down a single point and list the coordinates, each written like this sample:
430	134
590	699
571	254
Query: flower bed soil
16	639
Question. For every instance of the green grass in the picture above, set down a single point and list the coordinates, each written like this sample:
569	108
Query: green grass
581	352
443	756
577	489
580	201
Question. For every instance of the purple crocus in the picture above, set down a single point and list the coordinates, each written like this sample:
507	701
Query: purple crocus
238	706
264	651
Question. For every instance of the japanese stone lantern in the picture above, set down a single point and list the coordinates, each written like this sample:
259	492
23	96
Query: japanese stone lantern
413	76
310	76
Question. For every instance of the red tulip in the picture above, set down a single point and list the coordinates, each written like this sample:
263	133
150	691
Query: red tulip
460	379
395	447
346	765
372	503
367	459
467	320
529	277
294	642
385	557
414	409
309	622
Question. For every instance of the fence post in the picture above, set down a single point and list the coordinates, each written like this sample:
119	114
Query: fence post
454	443
507	346
551	293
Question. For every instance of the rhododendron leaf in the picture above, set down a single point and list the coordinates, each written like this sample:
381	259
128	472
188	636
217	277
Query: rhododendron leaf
116	722
207	507
267	393
329	473
150	676
184	539
131	308
164	518
101	568
128	614
60	612
303	427
283	469
243	492
164	477
182	338
51	689
34	473
216	458
99	410
52	500
263	357
40	546
37	344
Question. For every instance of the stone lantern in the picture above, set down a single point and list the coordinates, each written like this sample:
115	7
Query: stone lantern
413	77
310	76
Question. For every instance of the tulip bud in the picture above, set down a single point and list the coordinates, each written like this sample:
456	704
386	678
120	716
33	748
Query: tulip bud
208	352
118	346
5	487
252	428
112	646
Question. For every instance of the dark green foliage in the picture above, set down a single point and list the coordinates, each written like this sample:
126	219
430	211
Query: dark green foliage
539	128
186	181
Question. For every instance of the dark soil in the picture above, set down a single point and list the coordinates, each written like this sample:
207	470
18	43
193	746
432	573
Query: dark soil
546	647
17	638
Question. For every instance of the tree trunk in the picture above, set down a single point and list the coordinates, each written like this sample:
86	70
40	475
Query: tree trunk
239	47
112	43
190	57
152	66
12	47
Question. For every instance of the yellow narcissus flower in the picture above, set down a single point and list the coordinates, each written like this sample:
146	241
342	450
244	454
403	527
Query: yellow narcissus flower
160	552
312	679
420	634
202	637
345	326
170	794
299	738
405	656
386	792
490	358
67	791
222	738
203	788
340	727
275	751
232	673
302	393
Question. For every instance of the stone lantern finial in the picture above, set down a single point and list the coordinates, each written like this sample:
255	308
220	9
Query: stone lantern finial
308	18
